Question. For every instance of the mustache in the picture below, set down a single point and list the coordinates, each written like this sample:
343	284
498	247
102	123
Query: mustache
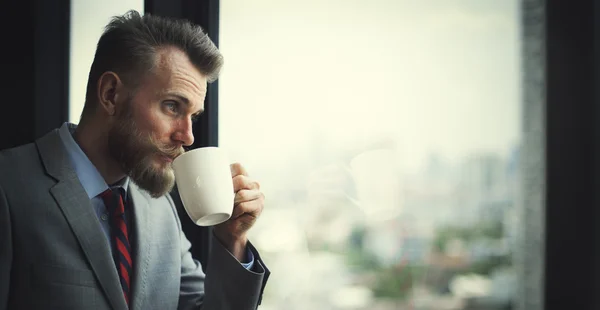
171	152
155	146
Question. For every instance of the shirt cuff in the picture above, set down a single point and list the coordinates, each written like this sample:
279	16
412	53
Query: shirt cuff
250	259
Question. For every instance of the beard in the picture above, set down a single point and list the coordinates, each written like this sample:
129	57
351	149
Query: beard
137	154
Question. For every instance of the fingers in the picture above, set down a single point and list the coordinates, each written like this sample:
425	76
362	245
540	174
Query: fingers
247	195
252	208
249	200
241	182
237	169
241	179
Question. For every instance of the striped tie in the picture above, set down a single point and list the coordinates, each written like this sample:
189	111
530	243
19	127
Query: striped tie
114	203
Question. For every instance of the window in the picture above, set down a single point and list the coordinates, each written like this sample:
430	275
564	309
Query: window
88	19
386	137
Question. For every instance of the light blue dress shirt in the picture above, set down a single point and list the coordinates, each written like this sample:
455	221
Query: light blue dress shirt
94	184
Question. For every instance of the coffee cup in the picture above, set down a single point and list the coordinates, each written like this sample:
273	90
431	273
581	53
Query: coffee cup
205	185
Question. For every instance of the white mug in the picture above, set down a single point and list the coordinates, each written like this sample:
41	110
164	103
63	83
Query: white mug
205	185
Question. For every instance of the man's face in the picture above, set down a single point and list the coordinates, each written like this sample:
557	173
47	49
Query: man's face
153	125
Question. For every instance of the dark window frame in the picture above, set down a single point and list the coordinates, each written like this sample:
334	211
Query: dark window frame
572	154
35	67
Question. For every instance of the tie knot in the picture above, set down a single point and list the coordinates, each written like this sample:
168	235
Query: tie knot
113	200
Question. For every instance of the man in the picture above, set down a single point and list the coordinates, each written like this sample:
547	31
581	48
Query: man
86	221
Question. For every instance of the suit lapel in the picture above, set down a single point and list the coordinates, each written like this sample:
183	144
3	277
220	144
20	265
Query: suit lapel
141	244
77	208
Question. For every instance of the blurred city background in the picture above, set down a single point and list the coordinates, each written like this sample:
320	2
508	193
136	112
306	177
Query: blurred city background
385	135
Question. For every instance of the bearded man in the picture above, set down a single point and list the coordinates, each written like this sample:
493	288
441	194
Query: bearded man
86	220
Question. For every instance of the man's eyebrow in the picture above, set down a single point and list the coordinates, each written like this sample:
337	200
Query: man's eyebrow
181	98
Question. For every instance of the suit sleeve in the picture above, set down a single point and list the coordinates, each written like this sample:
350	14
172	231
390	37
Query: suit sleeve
227	285
5	251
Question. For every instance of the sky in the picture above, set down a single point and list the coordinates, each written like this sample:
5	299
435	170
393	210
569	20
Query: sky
437	76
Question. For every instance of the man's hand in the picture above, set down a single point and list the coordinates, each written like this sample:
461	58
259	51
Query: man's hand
247	206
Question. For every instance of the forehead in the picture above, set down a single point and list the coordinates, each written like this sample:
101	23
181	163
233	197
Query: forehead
175	73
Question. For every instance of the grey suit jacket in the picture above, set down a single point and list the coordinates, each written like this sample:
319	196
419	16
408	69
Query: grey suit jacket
53	254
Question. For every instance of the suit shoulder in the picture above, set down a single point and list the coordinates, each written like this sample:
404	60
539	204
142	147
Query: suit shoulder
18	156
18	150
21	167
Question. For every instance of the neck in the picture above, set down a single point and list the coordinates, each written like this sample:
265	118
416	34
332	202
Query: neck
93	140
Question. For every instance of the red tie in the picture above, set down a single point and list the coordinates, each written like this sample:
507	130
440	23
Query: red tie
113	200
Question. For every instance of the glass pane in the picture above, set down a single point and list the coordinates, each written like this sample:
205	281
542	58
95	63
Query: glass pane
88	19
385	135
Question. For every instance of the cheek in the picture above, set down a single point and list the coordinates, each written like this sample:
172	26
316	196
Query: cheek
160	125
151	120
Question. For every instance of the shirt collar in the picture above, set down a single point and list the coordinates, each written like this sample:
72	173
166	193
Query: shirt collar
93	183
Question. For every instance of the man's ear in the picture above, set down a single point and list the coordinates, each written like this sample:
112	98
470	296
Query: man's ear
109	86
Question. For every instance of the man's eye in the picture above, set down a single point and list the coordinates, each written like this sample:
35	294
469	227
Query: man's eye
172	106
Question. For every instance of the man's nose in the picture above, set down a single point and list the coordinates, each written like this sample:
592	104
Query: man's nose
184	133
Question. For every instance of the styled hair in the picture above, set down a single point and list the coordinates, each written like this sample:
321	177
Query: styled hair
130	43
